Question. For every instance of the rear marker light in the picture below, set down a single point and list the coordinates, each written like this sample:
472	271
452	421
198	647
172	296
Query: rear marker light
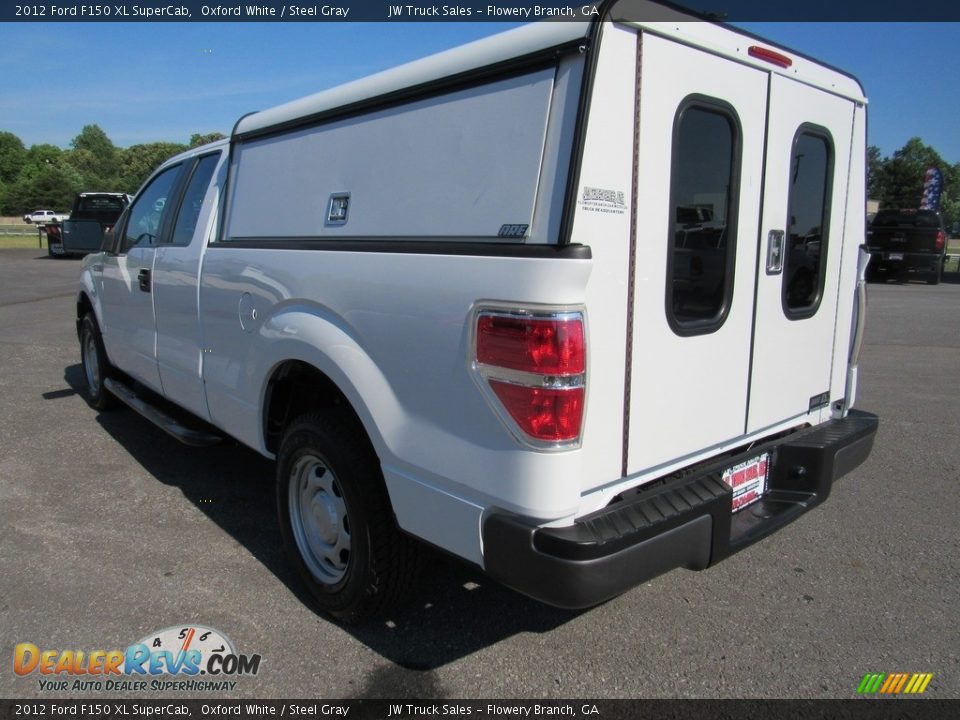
770	56
534	365
941	240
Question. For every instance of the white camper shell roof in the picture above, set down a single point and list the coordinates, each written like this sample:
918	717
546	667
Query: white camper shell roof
541	37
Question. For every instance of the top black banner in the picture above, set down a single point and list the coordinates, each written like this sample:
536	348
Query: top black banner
473	11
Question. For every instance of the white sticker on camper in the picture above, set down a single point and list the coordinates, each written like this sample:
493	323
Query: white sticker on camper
604	201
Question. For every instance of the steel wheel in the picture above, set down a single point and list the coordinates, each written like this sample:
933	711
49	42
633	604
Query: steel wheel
319	519
96	365
336	519
91	364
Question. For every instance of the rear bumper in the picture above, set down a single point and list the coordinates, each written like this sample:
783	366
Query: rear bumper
884	260
684	522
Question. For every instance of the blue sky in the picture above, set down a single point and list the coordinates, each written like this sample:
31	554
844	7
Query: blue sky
143	82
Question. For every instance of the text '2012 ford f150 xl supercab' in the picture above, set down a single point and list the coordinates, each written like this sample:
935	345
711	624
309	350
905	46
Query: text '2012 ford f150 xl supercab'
591	320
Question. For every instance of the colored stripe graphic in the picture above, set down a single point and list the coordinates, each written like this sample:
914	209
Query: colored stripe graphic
871	683
894	683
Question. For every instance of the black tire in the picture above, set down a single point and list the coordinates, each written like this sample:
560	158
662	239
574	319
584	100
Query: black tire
934	277
96	365
345	544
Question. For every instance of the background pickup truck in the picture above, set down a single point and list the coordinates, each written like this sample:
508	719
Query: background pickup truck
903	241
42	217
93	214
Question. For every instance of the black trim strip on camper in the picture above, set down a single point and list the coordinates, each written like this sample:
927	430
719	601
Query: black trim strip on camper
411	247
225	197
475	77
590	46
632	263
761	250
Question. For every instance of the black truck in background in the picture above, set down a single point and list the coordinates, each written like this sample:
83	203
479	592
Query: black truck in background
906	241
93	214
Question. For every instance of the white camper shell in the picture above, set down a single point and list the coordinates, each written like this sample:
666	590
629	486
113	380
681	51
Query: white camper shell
587	297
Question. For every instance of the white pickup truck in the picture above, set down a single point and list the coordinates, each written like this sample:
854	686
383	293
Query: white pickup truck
486	320
42	217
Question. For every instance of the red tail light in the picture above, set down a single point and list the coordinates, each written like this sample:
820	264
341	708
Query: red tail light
535	367
53	231
543	413
941	240
546	347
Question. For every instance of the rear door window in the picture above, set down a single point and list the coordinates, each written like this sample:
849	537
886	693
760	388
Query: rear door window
811	176
704	194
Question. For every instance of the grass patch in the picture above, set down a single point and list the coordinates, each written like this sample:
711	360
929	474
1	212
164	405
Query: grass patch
20	242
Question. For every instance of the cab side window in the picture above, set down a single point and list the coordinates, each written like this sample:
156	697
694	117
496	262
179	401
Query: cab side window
148	211
192	204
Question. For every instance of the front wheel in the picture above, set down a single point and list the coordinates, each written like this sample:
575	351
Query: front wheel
336	518
96	366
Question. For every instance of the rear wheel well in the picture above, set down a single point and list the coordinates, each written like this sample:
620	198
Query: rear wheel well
297	388
84	306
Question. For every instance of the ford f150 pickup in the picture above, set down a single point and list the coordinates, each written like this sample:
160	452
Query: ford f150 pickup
906	241
43	217
517	307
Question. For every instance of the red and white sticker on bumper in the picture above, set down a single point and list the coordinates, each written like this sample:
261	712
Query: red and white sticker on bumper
748	480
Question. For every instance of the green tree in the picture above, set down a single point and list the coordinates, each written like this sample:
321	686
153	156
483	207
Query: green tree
875	178
903	174
196	140
39	154
13	156
49	186
95	157
138	161
950	201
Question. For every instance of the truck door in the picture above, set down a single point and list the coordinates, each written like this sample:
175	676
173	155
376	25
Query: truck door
700	142
805	189
127	304
176	272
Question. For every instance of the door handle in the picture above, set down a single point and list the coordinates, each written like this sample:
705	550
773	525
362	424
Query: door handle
775	250
144	277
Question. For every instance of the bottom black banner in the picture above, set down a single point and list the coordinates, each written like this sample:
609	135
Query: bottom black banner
866	709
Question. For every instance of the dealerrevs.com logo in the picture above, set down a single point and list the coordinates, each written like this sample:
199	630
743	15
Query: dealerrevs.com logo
180	658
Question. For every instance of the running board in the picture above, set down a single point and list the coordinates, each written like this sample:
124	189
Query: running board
176	428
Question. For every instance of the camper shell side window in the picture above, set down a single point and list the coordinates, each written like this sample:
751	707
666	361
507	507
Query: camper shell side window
704	197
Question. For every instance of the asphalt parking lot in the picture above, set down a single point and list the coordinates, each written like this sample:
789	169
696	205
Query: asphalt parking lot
110	530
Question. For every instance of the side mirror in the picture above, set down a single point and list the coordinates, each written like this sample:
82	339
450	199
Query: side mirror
108	239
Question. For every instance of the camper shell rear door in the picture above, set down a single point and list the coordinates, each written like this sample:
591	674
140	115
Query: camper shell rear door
739	195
